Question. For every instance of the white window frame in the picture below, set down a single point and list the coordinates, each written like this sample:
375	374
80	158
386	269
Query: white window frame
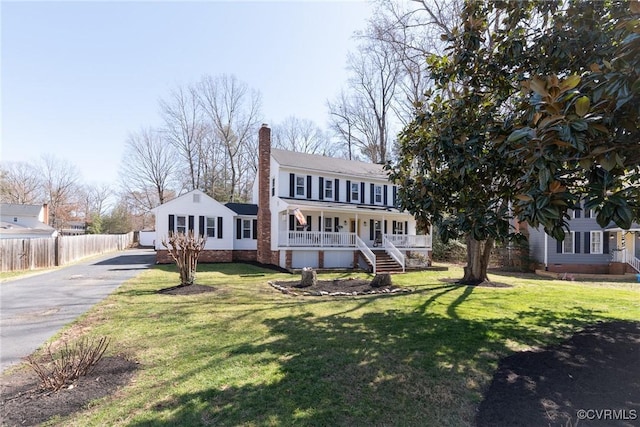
181	228
593	242
399	227
355	191
301	190
210	225
328	189
569	236
377	194
246	228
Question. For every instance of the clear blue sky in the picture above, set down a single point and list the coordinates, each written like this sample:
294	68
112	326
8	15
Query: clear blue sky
77	77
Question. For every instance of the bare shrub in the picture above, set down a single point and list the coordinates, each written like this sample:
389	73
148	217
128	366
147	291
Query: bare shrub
185	250
69	363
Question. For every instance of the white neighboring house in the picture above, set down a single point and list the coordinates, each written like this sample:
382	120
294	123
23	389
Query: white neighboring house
229	237
25	222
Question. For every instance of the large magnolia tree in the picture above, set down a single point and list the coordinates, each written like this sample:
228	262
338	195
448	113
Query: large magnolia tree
534	107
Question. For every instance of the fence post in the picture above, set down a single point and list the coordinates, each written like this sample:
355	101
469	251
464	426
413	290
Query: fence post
57	251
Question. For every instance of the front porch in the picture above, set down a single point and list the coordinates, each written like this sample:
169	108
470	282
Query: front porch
324	239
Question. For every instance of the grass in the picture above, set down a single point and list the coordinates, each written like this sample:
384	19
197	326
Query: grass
248	355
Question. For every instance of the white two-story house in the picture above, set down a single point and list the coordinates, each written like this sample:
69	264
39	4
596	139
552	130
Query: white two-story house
312	211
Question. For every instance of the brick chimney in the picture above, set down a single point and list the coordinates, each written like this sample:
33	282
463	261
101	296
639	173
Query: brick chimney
45	213
264	254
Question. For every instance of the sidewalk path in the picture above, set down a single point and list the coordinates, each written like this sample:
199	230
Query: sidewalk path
34	308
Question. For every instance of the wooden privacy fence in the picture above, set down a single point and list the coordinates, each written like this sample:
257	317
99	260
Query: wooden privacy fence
31	254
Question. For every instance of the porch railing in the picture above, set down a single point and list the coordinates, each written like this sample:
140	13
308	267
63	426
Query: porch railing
393	251
321	239
409	241
368	253
623	255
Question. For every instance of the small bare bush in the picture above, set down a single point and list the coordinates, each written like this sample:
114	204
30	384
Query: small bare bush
185	250
68	363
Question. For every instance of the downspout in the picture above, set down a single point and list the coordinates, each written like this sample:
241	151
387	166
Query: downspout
546	252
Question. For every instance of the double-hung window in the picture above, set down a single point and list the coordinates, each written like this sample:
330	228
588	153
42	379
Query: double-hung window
181	224
596	242
355	192
301	185
567	243
211	226
246	228
328	189
378	194
328	224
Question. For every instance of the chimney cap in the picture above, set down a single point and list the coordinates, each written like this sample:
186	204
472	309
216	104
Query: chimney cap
264	125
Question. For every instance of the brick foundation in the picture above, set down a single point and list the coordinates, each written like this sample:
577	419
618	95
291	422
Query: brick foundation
321	259
580	268
288	259
244	256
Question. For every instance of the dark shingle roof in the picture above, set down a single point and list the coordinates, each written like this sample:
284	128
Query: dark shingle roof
243	208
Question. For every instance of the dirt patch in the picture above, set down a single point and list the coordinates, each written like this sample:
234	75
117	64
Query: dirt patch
187	290
337	287
24	403
591	379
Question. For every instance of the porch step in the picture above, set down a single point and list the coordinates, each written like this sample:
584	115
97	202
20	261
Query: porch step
386	264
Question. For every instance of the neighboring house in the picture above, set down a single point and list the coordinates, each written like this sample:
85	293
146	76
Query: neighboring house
73	228
588	248
310	211
25	221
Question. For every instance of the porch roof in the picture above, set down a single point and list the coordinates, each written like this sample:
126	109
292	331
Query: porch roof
618	229
350	208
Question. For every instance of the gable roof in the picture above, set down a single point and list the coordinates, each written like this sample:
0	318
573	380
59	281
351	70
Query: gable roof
204	199
319	163
13	209
243	208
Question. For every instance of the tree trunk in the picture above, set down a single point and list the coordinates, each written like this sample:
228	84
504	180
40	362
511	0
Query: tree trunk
478	253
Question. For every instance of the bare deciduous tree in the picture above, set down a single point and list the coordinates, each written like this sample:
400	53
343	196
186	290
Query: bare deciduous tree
185	250
148	168
20	183
232	109
301	135
61	185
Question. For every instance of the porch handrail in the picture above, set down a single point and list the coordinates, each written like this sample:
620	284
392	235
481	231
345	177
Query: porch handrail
623	255
368	253
393	251
409	240
320	239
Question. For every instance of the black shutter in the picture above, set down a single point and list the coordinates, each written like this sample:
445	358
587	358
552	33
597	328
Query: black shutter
191	222
605	242
577	212
219	227
238	228
371	229
372	194
255	229
292	222
203	232
385	198
292	185
308	222
395	196
308	186
172	223
348	191
576	244
321	189
385	226
336	189
336	224
362	193
406	228
587	243
394	226
320	225
559	246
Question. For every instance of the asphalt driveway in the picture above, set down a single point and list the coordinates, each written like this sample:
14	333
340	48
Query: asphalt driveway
34	308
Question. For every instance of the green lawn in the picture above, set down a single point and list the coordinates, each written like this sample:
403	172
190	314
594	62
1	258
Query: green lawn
249	355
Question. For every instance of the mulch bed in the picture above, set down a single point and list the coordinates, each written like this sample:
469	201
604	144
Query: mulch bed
187	290
337	287
24	403
591	379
